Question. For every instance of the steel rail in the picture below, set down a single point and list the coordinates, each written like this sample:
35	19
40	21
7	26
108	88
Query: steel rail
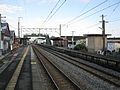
61	80
97	72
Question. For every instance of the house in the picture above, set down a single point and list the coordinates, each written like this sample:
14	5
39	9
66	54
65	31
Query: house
113	44
59	41
24	41
94	42
74	40
5	38
12	39
67	41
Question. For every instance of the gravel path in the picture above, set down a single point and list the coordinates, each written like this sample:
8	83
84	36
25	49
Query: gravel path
81	77
41	81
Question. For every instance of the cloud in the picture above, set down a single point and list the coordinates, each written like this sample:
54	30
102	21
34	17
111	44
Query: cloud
5	8
85	1
42	1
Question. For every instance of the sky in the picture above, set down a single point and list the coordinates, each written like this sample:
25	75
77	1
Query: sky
34	14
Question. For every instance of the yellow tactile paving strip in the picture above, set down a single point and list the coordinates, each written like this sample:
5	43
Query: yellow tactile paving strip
13	81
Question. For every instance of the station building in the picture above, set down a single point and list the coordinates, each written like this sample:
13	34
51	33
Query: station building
68	41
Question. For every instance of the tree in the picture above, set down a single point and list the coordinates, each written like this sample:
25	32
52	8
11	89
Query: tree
81	47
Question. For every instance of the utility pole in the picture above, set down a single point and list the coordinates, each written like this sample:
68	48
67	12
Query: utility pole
103	32
21	31
39	31
73	37
60	30
19	26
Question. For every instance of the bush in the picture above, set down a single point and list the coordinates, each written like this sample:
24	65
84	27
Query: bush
119	51
81	47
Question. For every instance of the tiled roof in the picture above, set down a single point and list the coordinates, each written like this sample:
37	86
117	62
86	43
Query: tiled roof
75	37
5	29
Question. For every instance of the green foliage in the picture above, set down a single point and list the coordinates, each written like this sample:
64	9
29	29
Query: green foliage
119	51
81	47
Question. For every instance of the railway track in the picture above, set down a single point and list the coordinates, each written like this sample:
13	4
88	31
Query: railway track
110	78
17	71
59	78
24	80
8	69
101	60
14	73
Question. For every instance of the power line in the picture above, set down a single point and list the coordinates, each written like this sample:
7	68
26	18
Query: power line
12	26
97	12
56	10
114	10
87	11
93	25
52	11
85	6
115	20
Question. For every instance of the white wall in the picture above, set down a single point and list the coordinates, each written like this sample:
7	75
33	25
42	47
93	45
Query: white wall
113	46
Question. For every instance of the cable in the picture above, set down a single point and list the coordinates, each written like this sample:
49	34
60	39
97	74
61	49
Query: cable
115	20
87	11
12	26
113	10
93	25
56	11
52	11
96	12
85	6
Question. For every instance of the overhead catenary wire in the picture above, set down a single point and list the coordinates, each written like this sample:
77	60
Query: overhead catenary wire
115	20
87	11
86	6
114	10
96	12
56	10
91	26
52	11
12	26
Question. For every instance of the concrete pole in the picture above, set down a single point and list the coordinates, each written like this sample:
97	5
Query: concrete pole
60	30
19	27
39	32
103	32
73	37
21	31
